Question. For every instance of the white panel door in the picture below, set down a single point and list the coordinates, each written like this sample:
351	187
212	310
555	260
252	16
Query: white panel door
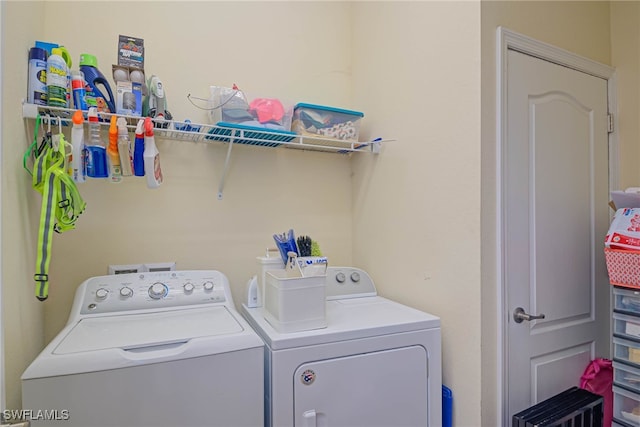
555	190
384	388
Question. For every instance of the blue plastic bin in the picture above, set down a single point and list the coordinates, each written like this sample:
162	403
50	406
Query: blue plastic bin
447	407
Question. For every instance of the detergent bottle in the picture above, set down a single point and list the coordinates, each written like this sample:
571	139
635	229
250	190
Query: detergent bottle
95	97
57	74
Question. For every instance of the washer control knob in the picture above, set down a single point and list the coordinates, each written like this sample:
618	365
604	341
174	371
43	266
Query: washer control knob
340	277
102	294
158	290
188	287
126	292
208	286
355	277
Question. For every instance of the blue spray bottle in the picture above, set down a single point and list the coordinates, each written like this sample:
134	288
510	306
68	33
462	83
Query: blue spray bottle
95	149
138	150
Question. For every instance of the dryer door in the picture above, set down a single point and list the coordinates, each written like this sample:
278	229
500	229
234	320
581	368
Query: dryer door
384	388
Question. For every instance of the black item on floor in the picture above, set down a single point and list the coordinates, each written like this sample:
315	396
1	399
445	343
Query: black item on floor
573	407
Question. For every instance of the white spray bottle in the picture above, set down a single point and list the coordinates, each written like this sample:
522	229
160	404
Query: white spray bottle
151	156
77	143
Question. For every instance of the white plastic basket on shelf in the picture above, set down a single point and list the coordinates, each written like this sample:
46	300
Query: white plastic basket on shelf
236	107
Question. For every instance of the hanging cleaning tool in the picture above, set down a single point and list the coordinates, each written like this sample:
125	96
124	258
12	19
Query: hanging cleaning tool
77	144
138	150
115	171
124	148
61	203
151	156
95	150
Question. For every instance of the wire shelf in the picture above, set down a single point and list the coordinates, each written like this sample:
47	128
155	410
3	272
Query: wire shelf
222	132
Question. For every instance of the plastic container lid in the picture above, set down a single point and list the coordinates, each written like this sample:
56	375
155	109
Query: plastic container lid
56	51
331	109
89	60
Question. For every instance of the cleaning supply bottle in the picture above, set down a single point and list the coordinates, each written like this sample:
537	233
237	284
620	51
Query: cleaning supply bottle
102	99
151	156
124	148
115	171
77	144
95	150
37	92
138	150
78	90
57	73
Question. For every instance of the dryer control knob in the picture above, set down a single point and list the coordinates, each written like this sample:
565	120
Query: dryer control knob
340	277
355	277
208	286
102	294
188	287
126	292
158	290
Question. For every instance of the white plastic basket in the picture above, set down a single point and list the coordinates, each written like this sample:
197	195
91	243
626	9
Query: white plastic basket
294	304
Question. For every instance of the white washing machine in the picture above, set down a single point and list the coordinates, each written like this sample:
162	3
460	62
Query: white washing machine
377	363
150	349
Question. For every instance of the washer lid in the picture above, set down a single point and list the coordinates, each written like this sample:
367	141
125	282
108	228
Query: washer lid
148	329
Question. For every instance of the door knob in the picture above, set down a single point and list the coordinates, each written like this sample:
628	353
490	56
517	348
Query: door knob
519	315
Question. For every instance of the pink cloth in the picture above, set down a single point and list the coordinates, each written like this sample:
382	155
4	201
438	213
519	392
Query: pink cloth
598	378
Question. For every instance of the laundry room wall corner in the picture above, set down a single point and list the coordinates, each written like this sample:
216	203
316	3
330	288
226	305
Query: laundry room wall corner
417	205
23	315
625	46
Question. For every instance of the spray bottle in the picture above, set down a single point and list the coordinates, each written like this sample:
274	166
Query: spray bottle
124	148
77	143
112	151
95	150
151	156
138	150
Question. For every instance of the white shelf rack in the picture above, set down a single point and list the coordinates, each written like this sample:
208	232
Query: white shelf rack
195	132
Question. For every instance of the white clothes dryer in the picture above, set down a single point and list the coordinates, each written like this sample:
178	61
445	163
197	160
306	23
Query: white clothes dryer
150	349
377	363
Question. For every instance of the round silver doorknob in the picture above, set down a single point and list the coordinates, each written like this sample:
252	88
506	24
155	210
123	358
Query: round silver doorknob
519	315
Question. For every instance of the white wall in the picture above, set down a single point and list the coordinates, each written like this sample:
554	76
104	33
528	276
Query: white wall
625	57
23	319
417	205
